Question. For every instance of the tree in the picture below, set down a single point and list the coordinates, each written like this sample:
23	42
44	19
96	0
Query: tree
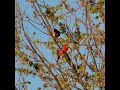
82	66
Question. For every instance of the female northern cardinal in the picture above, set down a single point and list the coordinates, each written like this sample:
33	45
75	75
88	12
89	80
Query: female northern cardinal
63	50
56	33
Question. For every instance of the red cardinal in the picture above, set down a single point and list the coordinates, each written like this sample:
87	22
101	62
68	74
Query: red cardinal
65	47
63	50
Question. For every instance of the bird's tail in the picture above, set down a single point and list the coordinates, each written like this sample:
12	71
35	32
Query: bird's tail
58	58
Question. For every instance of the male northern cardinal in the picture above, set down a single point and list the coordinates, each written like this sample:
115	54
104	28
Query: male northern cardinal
56	33
63	50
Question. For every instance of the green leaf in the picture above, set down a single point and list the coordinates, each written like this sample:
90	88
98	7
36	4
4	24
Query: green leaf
46	88
43	6
80	57
56	21
24	58
36	41
96	76
47	44
77	20
61	17
76	25
64	59
58	7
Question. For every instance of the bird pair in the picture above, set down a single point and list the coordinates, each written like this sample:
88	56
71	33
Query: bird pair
64	48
